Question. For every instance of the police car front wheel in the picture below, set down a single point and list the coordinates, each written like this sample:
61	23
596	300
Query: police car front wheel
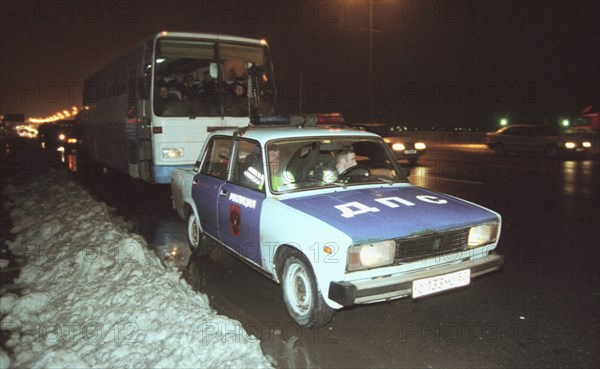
304	302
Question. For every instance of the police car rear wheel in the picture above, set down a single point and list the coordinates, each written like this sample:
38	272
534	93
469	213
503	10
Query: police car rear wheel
199	244
302	299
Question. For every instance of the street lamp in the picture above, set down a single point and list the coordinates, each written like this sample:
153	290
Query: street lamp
371	30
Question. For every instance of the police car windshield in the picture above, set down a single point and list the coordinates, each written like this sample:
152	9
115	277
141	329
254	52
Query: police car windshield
302	164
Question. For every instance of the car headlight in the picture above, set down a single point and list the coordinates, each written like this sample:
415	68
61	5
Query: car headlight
371	255
586	144
398	147
62	136
570	145
482	235
420	146
170	153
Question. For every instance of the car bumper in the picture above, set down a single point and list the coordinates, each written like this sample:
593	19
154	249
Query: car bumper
397	286
408	154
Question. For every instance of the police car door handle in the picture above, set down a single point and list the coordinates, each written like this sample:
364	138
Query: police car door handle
223	192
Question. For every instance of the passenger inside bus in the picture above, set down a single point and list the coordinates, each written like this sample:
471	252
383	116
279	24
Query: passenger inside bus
236	101
168	102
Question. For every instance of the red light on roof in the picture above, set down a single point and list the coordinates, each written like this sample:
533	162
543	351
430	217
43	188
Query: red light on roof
332	118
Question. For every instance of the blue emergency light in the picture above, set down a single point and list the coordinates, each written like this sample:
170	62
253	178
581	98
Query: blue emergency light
300	120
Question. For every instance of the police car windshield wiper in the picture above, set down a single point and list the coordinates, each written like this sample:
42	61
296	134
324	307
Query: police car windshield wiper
339	184
385	180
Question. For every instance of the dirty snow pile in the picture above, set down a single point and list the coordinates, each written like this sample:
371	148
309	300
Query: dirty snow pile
91	294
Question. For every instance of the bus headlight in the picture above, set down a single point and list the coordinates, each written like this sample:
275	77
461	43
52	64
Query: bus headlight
171	153
371	255
482	235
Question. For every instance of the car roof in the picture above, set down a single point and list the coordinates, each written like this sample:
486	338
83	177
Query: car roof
264	134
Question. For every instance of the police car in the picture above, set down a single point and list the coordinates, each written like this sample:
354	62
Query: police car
332	237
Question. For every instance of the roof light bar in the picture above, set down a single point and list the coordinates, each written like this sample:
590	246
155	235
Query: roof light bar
298	120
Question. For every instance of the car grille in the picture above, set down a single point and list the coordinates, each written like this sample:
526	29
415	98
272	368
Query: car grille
428	245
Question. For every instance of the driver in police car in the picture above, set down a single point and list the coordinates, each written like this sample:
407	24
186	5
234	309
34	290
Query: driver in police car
344	160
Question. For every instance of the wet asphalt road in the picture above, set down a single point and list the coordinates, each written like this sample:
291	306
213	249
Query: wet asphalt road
542	309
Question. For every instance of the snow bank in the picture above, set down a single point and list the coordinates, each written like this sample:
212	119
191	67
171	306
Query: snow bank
93	294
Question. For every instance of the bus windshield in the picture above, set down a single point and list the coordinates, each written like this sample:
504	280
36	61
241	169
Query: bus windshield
202	78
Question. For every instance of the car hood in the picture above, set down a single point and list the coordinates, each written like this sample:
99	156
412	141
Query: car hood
390	212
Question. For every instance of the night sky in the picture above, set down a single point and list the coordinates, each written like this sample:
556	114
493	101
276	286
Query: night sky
435	63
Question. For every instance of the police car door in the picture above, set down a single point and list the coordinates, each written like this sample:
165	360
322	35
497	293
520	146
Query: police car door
208	182
240	201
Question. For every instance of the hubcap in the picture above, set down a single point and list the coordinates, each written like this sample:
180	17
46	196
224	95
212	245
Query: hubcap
298	289
193	232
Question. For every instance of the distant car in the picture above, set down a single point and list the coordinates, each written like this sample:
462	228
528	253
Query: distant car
58	136
581	131
530	138
405	148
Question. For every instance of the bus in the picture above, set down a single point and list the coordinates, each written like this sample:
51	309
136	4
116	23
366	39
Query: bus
149	111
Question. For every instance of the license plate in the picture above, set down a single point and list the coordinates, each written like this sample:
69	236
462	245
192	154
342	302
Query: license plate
428	286
408	152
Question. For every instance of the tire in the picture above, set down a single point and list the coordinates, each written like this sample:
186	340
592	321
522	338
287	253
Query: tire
198	242
499	149
303	300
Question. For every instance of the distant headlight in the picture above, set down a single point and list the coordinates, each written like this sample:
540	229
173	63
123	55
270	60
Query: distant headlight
482	235
398	147
420	146
170	153
570	145
62	136
72	140
371	255
587	144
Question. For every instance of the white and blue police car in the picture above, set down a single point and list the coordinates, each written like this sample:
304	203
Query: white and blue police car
331	236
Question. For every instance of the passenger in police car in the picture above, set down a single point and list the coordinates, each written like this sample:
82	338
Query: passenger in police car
279	177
